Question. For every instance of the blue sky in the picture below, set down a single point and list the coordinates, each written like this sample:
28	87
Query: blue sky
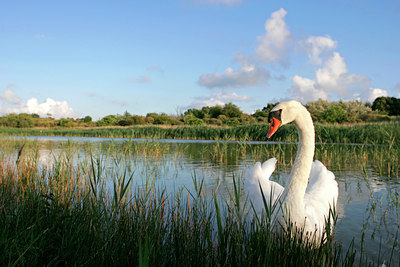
78	58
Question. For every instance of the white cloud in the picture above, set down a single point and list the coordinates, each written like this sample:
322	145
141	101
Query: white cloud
10	97
248	74
50	107
329	77
273	47
274	44
374	93
219	98
332	80
304	89
206	102
317	46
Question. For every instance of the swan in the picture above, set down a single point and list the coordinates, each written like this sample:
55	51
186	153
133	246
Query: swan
311	190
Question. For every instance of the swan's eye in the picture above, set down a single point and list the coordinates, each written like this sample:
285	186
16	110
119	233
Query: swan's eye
274	114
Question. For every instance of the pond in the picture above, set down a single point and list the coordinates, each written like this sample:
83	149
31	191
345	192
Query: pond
368	176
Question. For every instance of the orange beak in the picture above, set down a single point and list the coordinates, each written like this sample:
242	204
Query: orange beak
275	124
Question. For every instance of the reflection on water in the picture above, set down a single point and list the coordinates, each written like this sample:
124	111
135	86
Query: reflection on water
368	176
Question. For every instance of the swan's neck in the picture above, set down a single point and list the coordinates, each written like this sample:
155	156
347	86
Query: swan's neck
298	180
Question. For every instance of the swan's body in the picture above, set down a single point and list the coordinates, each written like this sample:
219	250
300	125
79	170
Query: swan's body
311	189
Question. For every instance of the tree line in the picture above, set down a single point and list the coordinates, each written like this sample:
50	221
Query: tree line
322	111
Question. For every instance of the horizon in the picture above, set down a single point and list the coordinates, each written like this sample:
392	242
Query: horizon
74	59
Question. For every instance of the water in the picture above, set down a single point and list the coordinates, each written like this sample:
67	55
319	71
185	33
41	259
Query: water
368	177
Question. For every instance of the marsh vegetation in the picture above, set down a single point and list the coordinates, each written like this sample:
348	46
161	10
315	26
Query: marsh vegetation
130	202
382	109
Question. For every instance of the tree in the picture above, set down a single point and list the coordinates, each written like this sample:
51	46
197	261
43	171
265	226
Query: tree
260	116
269	107
190	119
206	111
316	108
231	110
387	105
335	113
164	119
107	121
152	115
24	120
232	122
196	112
66	123
381	104
139	120
215	111
87	119
246	119
356	110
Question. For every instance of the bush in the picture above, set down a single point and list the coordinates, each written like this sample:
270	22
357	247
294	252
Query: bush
387	105
139	120
164	119
223	118
246	119
213	121
66	123
233	122
87	119
334	113
191	119
107	121
22	120
231	110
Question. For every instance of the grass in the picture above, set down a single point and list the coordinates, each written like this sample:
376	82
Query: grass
382	133
65	214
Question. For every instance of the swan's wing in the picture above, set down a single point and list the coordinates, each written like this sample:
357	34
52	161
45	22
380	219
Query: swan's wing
321	195
259	175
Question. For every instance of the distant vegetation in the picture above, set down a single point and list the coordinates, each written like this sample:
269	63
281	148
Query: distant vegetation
382	109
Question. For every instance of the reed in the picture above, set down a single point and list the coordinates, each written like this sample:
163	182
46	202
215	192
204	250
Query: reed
378	133
85	209
64	215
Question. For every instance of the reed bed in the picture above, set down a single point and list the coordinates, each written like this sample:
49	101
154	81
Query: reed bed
65	213
378	133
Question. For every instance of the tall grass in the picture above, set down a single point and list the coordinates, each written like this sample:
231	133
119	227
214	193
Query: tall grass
63	214
382	133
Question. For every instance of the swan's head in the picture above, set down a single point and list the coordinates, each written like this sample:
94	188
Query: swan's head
282	114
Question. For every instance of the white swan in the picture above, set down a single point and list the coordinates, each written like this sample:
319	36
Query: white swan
311	189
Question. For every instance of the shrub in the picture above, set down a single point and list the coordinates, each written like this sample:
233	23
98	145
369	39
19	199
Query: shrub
231	110
233	122
66	123
87	119
213	121
334	113
164	119
139	120
387	105
107	121
191	119
246	119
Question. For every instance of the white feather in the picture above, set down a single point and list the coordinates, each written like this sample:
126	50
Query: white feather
311	190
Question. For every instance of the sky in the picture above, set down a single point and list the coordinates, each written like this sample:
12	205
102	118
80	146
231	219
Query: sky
78	58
